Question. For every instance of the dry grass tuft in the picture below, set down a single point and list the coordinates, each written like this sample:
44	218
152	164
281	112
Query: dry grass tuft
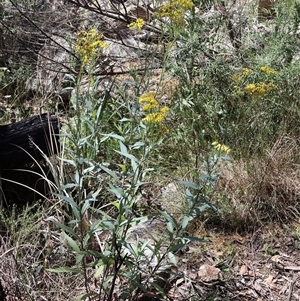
264	189
25	257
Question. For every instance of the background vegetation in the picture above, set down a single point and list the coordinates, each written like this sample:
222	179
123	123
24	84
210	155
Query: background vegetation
203	95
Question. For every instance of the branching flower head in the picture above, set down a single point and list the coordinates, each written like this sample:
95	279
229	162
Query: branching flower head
268	70
157	117
137	24
155	113
221	147
89	44
175	10
148	101
246	71
241	75
260	89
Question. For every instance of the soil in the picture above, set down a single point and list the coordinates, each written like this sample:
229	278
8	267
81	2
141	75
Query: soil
263	265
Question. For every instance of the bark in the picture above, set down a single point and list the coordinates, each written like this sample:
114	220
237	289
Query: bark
24	141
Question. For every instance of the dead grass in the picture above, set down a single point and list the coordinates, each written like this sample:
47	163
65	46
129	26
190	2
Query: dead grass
265	189
250	194
25	258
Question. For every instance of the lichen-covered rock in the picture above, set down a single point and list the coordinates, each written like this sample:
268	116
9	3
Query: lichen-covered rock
52	67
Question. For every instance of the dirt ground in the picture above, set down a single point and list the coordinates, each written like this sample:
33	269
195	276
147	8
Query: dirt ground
263	265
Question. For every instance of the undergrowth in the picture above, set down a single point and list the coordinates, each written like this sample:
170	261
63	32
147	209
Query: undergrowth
219	117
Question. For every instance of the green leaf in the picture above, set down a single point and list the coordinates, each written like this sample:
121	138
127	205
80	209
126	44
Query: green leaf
99	271
68	186
123	148
172	258
71	162
109	172
193	238
96	254
134	167
189	184
124	119
79	258
114	136
186	220
88	170
72	203
178	246
67	229
119	192
116	204
108	225
226	158
131	157
123	167
158	288
168	218
138	145
71	78
139	220
85	206
157	246
71	242
190	198
170	227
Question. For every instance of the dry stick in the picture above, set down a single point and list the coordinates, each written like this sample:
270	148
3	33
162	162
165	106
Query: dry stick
292	287
292	268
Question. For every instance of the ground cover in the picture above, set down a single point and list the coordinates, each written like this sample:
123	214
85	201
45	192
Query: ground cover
178	176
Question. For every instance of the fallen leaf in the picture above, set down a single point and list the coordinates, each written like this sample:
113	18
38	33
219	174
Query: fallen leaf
243	270
251	273
192	276
269	280
179	281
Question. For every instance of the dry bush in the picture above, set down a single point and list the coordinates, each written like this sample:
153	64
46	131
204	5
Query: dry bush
262	189
25	254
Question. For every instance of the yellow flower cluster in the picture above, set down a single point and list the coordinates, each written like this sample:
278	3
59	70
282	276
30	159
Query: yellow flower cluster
155	114
89	44
260	89
246	71
238	77
268	70
157	117
148	101
221	147
175	10
137	24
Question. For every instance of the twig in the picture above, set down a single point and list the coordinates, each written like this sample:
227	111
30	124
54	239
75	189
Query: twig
292	268
292	287
6	252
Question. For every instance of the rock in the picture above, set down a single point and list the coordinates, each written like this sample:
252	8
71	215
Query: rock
154	262
209	273
52	66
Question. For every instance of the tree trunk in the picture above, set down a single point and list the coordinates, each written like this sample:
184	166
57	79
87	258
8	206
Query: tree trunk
24	141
